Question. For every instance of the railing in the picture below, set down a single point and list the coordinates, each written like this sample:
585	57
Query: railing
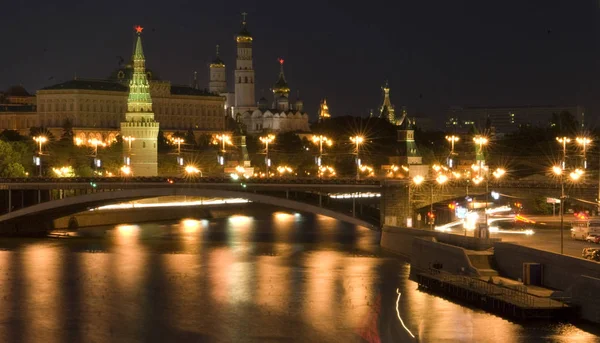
516	295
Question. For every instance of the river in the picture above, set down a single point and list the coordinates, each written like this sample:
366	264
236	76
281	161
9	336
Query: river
270	277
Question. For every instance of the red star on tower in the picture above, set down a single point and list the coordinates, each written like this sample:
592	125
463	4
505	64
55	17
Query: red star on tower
280	61
138	29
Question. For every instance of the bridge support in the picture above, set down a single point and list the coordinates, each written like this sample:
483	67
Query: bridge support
395	206
354	205
9	201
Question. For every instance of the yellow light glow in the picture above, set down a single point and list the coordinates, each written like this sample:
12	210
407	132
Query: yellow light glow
436	167
267	139
190	225
126	170
477	180
190	169
576	175
66	171
452	138
357	139
557	170
563	140
583	141
418	179
481	140
498	173
441	179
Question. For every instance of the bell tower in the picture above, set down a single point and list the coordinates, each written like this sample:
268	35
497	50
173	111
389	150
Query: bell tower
244	71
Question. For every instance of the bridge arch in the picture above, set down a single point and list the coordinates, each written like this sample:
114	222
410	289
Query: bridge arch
63	207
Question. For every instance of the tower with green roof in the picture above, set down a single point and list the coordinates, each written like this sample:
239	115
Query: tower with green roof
139	130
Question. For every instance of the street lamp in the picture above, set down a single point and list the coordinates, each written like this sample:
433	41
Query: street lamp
574	176
320	139
564	141
224	139
452	139
266	140
481	141
584	142
178	141
40	140
357	140
126	170
440	180
95	142
128	139
192	170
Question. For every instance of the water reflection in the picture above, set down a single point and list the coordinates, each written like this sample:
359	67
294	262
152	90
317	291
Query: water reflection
279	277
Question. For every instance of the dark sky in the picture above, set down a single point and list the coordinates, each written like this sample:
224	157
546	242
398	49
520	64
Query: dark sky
434	53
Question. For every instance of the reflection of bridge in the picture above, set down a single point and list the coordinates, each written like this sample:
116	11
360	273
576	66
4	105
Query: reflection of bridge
31	204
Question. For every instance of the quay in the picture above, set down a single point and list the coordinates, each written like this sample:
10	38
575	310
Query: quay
504	301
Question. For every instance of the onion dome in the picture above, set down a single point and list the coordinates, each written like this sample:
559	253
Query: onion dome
244	35
263	104
281	86
217	62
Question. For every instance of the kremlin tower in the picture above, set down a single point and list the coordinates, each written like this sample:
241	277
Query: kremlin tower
218	79
244	71
139	128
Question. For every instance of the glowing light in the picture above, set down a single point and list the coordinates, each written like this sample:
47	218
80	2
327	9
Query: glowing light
357	139
127	230
498	173
234	176
477	180
190	225
64	171
441	179
452	138
189	169
320	139
436	167
267	139
126	170
575	175
284	169
418	179
557	170
326	171
239	219
481	140
138	29
354	195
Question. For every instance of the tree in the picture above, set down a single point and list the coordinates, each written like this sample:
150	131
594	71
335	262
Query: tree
162	143
67	134
190	138
10	163
12	136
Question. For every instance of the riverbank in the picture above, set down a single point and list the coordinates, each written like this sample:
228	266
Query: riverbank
570	280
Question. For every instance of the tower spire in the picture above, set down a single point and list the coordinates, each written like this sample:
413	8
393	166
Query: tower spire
195	79
139	99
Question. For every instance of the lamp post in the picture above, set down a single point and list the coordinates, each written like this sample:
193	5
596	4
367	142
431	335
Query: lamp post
224	139
320	139
266	140
584	142
40	140
95	142
564	140
440	180
178	141
128	139
574	176
481	141
357	140
452	139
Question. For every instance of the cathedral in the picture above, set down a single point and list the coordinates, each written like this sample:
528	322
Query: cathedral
278	116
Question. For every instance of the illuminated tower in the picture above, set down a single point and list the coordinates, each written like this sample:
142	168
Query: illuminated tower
244	72
217	77
386	110
139	122
281	91
324	111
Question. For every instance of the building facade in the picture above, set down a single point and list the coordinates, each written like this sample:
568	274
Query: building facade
244	71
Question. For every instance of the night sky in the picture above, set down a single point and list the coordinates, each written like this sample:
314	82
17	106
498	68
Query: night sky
434	53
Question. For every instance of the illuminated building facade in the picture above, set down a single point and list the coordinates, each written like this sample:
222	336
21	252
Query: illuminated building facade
282	116
324	111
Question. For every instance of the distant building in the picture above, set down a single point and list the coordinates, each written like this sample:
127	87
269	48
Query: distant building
282	116
387	110
17	110
504	120
324	111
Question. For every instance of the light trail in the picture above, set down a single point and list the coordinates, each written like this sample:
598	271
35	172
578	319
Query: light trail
173	204
398	313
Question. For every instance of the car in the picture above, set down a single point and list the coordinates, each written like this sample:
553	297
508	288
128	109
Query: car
591	254
593	238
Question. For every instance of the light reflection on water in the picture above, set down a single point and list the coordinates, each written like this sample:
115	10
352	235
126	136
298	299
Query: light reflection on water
283	277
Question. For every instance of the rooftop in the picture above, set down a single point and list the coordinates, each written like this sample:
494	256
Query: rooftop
99	85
